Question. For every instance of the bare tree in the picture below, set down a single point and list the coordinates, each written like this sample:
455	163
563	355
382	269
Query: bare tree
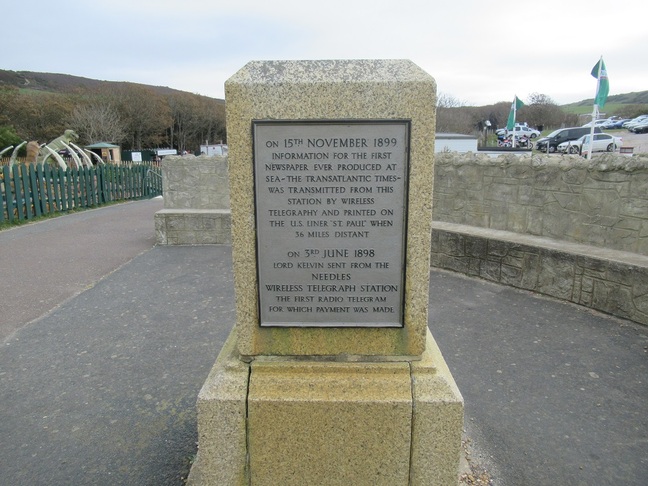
542	111
98	122
185	126
539	99
445	100
212	121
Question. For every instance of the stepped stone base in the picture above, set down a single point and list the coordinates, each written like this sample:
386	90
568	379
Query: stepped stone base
295	422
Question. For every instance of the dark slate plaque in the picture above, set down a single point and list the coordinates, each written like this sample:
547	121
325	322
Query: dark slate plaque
331	213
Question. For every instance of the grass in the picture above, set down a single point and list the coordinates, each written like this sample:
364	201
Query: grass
38	92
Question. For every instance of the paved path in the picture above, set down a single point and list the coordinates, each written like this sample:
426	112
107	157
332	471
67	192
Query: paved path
45	263
100	389
555	394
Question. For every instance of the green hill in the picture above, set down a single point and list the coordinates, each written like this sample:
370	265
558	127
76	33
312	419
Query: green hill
626	105
62	83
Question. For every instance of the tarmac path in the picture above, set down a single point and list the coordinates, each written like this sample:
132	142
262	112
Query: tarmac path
101	387
555	394
45	263
98	383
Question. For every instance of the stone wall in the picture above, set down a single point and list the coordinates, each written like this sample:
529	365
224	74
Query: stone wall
190	182
602	202
606	280
196	201
565	227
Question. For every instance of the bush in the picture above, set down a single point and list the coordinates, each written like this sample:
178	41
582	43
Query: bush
8	137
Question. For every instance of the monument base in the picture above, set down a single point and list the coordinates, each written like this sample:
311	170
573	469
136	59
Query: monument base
296	422
193	227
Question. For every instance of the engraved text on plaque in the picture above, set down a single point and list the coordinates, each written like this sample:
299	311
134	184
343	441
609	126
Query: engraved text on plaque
331	201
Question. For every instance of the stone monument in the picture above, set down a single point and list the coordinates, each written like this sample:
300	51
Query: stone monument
330	376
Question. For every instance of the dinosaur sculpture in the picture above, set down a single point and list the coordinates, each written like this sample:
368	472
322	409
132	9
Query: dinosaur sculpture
57	144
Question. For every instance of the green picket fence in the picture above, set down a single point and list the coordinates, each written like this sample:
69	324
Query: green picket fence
29	191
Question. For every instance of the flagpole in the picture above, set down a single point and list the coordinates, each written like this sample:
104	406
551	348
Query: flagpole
594	110
514	118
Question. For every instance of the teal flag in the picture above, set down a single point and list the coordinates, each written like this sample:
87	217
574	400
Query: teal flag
517	104
600	72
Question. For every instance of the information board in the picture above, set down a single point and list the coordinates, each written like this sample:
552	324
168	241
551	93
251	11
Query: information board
331	212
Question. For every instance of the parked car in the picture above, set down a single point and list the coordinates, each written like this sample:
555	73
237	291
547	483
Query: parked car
614	124
550	142
635	121
602	142
597	123
520	131
641	127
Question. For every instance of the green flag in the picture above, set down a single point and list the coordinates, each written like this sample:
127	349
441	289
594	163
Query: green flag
600	72
517	104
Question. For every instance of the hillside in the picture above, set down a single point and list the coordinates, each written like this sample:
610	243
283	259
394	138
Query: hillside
41	106
635	98
63	83
627	105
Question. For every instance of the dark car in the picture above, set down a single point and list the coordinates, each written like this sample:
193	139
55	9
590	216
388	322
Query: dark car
555	138
641	128
616	124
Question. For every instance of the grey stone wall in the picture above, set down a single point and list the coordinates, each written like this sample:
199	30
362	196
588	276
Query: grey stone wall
196	201
566	227
190	182
602	202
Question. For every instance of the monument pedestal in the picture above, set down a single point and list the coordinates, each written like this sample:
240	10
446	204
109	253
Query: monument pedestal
299	422
331	376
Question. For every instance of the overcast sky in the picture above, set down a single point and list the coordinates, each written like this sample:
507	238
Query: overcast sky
479	51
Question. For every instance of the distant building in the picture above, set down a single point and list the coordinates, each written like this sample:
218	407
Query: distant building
213	149
147	155
109	152
455	142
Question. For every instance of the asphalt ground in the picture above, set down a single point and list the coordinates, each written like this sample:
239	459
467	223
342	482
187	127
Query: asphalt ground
100	387
555	394
45	263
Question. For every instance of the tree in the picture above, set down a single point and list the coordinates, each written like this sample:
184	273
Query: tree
212	124
40	116
539	99
450	116
137	116
184	109
8	137
97	121
8	96
445	100
541	111
196	120
145	113
498	114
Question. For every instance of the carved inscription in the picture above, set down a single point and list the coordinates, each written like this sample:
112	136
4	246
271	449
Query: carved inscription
331	202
